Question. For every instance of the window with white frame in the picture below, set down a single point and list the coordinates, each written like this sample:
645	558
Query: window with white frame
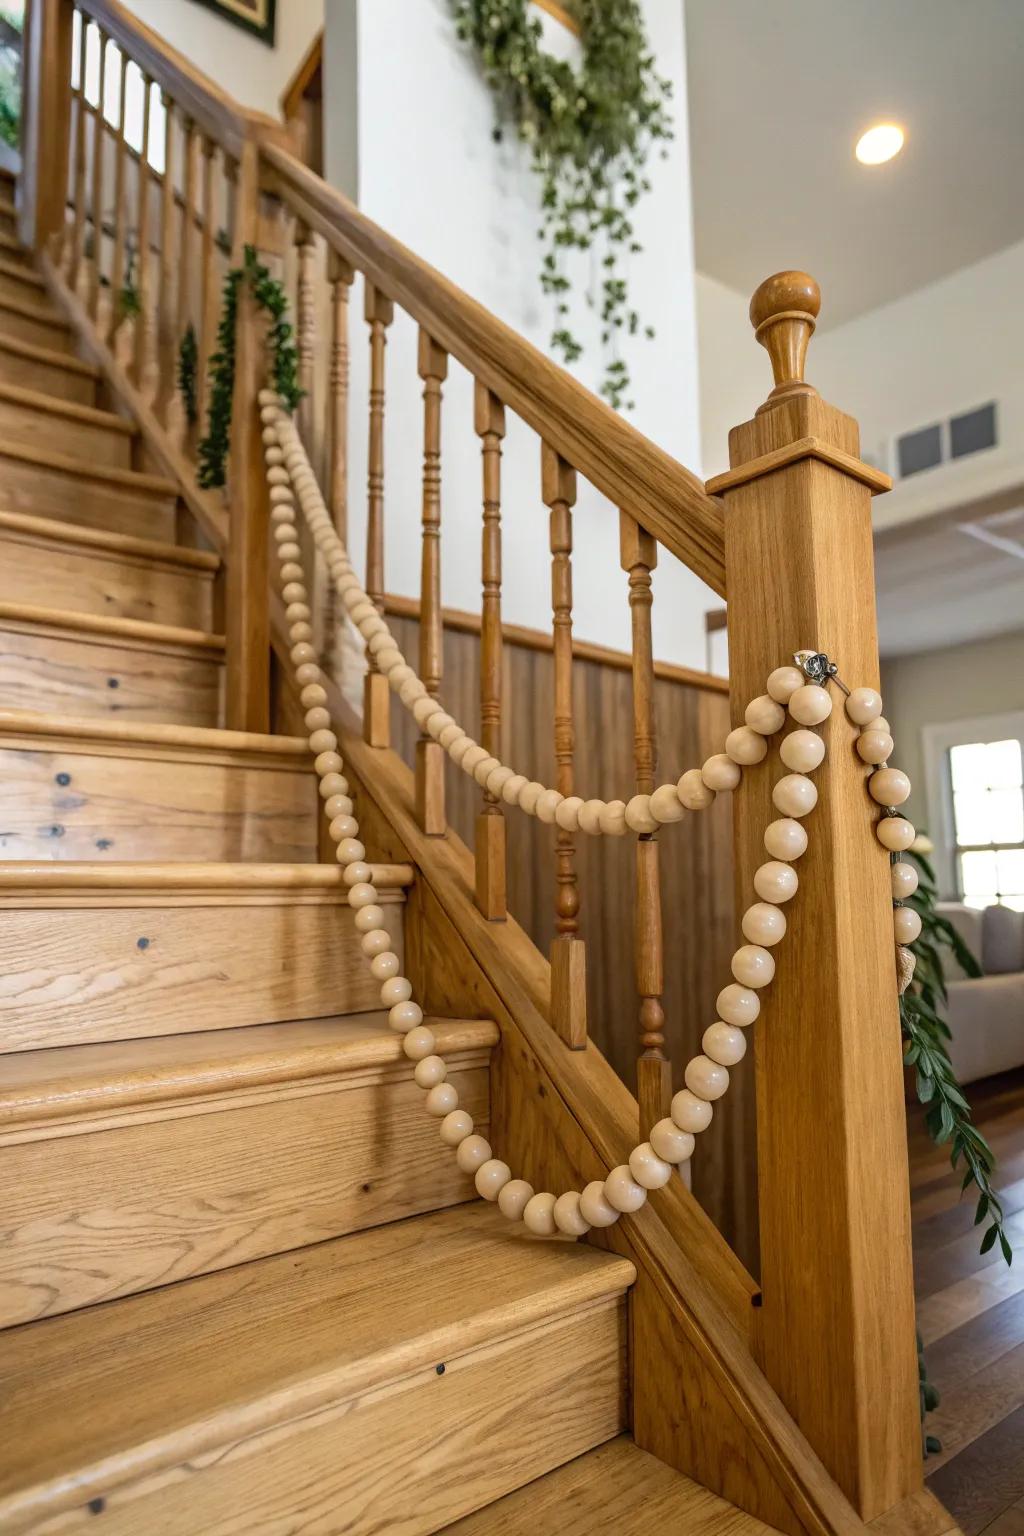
974	772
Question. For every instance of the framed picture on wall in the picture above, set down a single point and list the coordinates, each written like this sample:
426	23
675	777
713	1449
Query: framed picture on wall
256	16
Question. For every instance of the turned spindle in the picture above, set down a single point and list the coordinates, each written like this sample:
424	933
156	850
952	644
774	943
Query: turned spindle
489	421
99	134
783	312
379	312
433	370
81	158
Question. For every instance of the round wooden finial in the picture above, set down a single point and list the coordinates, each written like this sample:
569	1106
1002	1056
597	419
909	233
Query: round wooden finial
783	312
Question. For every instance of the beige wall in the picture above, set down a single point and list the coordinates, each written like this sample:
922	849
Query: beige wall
964	682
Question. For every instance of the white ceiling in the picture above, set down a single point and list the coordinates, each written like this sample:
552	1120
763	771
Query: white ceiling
779	90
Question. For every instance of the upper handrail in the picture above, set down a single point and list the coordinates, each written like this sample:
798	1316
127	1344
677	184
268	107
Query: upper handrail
644	480
200	98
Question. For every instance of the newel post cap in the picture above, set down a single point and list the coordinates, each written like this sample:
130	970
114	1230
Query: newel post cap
783	312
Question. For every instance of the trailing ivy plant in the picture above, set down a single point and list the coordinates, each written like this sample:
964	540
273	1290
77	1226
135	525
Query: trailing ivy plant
590	132
129	300
272	299
188	362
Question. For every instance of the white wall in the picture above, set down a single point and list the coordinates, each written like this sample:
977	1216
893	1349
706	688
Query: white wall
428	170
735	374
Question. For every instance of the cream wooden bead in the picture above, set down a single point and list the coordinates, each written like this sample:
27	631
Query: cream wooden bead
419	1043
612	818
706	1078
430	1071
724	1044
875	746
474	757
622	1191
753	966
567	813
638	815
497	780
720	772
301	631
460	749
895	833
405	1016
795	795
665	806
411	690
863	706
670	1143
738	1005
693	792
349	850
308	672
547	806
303	654
437	723
785	839
568	1216
290	572
764	924
881	724
810	704
384	965
746	746
293	592
343	830
450	734
591	812
889	786
441	1100
326	763
905	880
456	1127
906	925
802	751
424	708
529	795
594	1208
512	787
368	917
483	771
357	874
312	694
290	552
491	1177
783	683
323	741
387	659
764	715
647	1168
690	1114
776	882
363	896
473	1151
397	990
514	1198
377	942
539	1215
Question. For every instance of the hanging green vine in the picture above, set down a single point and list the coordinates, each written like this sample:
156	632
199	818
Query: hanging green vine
590	132
270	297
188	363
129	300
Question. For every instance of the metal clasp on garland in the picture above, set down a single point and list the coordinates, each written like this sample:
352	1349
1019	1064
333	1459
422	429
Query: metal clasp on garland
817	668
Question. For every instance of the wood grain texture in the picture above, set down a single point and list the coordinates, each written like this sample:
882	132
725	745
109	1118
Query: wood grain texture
41	368
295	1421
34	417
29	320
144	1163
110	953
73	490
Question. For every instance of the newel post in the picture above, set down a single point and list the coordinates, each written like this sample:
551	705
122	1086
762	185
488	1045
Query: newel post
837	1321
46	119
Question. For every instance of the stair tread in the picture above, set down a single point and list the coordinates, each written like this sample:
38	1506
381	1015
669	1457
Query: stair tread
109	627
197	739
123	1389
26	275
48	355
107	540
22	876
617	1488
44	1085
38	399
32	309
134	479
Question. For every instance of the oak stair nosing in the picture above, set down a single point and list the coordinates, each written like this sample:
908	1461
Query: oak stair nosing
32	882
123	546
48	356
40	314
136	480
137	634
22	729
53	405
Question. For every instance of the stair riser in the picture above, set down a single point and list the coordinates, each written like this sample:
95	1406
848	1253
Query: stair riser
83	580
74	973
48	430
71	498
20	289
73	804
410	1457
10	250
50	378
94	678
38	329
8	222
163	1195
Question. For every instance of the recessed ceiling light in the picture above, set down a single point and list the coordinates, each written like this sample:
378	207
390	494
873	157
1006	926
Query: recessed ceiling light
879	144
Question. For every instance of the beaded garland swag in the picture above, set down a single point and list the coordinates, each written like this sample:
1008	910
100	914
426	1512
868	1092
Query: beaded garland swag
789	692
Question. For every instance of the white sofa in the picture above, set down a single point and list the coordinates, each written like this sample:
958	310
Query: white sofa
986	1013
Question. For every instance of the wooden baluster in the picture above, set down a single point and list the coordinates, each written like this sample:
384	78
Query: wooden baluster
81	159
379	312
120	210
209	298
568	952
638	555
143	321
339	275
166	361
430	755
305	327
186	239
489	421
98	144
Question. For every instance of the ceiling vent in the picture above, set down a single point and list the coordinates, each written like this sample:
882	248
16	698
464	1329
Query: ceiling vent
928	447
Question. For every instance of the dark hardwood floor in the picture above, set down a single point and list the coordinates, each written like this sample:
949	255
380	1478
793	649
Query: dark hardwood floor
970	1310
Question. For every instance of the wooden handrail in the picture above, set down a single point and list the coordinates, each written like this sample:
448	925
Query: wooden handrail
199	97
633	472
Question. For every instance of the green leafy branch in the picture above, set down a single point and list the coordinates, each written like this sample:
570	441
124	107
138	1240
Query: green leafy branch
188	363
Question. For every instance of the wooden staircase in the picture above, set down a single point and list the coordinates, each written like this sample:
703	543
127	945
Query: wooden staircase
243	1285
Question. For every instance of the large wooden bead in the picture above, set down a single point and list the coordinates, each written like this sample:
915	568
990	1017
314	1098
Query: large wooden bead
456	1127
419	1043
795	795
753	966
397	990
568	1216
547	806
491	1177
357	874
802	751
664	805
384	966
783	683
327	763
405	1016
567	813
529	795
895	833
764	924
323	741
670	1142
513	1199
594	1208
720	772
430	1071
376	942
906	925
863	706
810	704
363	896
539	1215
724	1043
746	746
875	746
905	880
622	1191
511	788
706	1078
368	917
590	819
785	839
484	769
776	882
693	792
442	1099
738	1005
472	1153
648	1169
889	786
690	1114
349	850
612	818
313	693
764	715
881	724
638	815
